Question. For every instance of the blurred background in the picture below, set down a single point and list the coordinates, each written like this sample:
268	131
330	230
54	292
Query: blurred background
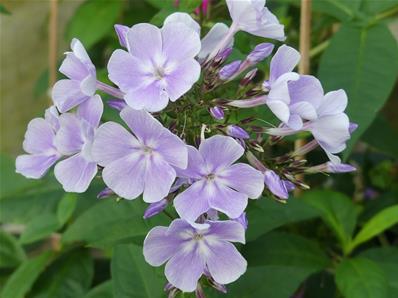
49	240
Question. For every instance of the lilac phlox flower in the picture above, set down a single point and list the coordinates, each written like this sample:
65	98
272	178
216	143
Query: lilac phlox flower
159	65
139	163
242	219
191	251
218	183
276	185
75	139
278	98
82	82
39	144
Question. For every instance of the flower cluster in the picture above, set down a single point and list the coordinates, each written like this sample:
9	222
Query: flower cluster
182	143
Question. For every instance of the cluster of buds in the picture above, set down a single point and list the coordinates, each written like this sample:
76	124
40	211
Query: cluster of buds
183	145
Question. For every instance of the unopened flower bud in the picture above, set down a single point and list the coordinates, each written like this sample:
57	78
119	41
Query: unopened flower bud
237	132
260	52
223	55
105	193
217	113
353	127
229	70
121	32
275	184
199	292
117	104
339	168
248	77
155	208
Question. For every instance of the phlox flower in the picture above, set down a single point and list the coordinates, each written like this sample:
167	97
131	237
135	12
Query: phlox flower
74	139
218	183
39	144
141	163
159	65
82	82
193	250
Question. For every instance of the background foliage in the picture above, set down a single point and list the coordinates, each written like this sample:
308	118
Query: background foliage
337	240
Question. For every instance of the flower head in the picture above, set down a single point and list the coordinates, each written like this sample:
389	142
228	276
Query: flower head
191	251
39	144
75	139
159	65
218	182
81	85
139	163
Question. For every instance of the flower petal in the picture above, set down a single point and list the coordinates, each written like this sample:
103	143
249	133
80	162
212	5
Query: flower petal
196	165
144	41
243	178
159	177
186	19
225	263
39	137
121	32
173	150
66	95
159	246
179	42
304	109
73	68
152	97
275	184
184	269
334	103
91	110
285	60
192	202
212	39
111	142
306	88
75	173
227	230
226	200
280	109
125	176
34	166
220	151
69	139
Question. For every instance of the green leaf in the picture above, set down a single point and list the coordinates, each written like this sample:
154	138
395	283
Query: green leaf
109	222
341	9
337	211
11	253
93	20
104	290
4	10
373	7
387	259
267	214
363	62
274	257
69	276
66	207
39	228
377	224
132	276
21	281
360	277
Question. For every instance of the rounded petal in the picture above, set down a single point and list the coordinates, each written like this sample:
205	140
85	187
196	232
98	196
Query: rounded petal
227	230
66	95
275	184
182	78
73	68
306	88
34	166
91	110
196	165
226	200
304	109
152	97
220	151
186	19
173	150
159	246
334	103
75	173
88	85
179	42
184	269
126	175
39	137
243	178
285	60
212	39
79	51
331	132
225	263
295	122
159	176
280	109
144	41
111	142
192	202
69	139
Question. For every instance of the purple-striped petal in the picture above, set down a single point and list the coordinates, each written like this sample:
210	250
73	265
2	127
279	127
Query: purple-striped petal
34	166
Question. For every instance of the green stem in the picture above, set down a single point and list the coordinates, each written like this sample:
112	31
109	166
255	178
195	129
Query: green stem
315	51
